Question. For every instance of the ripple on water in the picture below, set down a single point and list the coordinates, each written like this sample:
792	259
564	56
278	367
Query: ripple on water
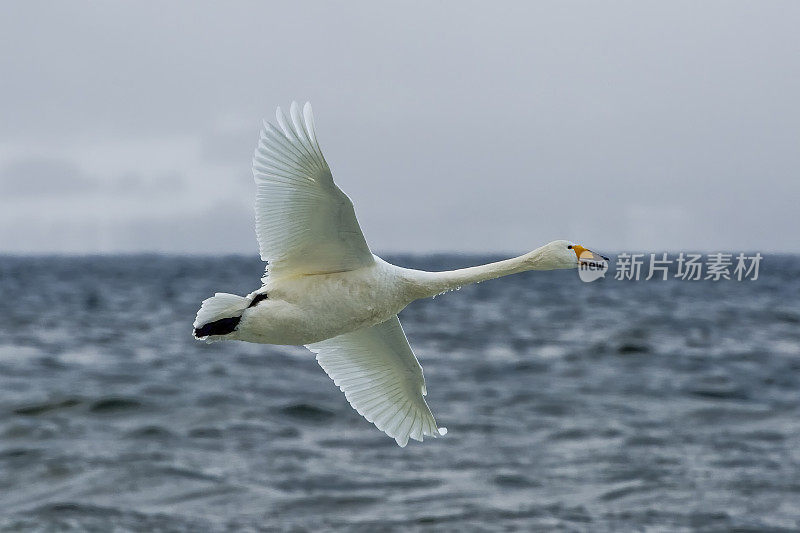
46	407
114	404
150	431
205	433
669	406
307	412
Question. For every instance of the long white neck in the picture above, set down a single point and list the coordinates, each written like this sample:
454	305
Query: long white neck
433	283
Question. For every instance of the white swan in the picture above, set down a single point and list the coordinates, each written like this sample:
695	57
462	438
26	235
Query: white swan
324	288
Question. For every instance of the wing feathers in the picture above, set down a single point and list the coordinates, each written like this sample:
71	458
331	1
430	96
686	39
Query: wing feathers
305	224
311	132
381	379
302	136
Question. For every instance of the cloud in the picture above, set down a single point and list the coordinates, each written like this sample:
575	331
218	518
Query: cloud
159	224
36	177
478	129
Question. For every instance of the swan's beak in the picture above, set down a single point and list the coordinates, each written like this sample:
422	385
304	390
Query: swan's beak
585	255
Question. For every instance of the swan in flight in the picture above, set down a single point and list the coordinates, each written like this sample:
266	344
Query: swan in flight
325	289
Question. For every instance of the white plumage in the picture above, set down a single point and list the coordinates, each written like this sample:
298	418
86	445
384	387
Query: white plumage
381	378
326	290
304	222
222	304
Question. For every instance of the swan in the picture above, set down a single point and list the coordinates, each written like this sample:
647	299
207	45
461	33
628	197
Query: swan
324	288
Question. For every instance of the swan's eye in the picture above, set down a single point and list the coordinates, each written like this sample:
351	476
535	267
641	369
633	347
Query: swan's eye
569	247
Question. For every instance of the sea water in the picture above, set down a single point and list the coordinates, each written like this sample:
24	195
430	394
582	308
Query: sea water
604	406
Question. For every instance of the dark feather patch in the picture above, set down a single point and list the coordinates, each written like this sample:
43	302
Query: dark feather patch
257	298
223	326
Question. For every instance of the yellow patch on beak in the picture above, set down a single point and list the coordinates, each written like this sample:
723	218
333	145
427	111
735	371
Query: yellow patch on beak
578	249
584	254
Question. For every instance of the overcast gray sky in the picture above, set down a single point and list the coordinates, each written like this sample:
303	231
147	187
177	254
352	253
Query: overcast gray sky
453	126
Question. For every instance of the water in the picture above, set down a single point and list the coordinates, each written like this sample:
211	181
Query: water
609	406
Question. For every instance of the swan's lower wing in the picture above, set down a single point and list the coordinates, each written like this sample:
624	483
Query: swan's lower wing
305	224
381	378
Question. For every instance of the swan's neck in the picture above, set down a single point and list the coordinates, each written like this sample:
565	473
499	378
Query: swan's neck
433	283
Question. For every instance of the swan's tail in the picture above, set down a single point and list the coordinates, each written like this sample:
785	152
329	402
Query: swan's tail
219	316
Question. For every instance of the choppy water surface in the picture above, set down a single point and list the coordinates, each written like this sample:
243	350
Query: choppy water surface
610	406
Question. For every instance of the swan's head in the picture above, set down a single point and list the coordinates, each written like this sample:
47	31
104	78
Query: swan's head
563	254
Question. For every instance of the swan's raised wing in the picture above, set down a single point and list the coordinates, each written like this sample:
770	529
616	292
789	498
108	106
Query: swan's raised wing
305	224
381	378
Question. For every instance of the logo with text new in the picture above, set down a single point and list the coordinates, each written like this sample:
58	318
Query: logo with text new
591	266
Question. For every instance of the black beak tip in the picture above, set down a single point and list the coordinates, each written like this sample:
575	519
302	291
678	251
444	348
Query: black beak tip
604	257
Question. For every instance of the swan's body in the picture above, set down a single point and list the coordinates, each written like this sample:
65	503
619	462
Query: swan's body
307	309
326	290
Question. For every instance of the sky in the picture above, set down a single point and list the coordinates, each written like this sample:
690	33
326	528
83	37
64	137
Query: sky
453	126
